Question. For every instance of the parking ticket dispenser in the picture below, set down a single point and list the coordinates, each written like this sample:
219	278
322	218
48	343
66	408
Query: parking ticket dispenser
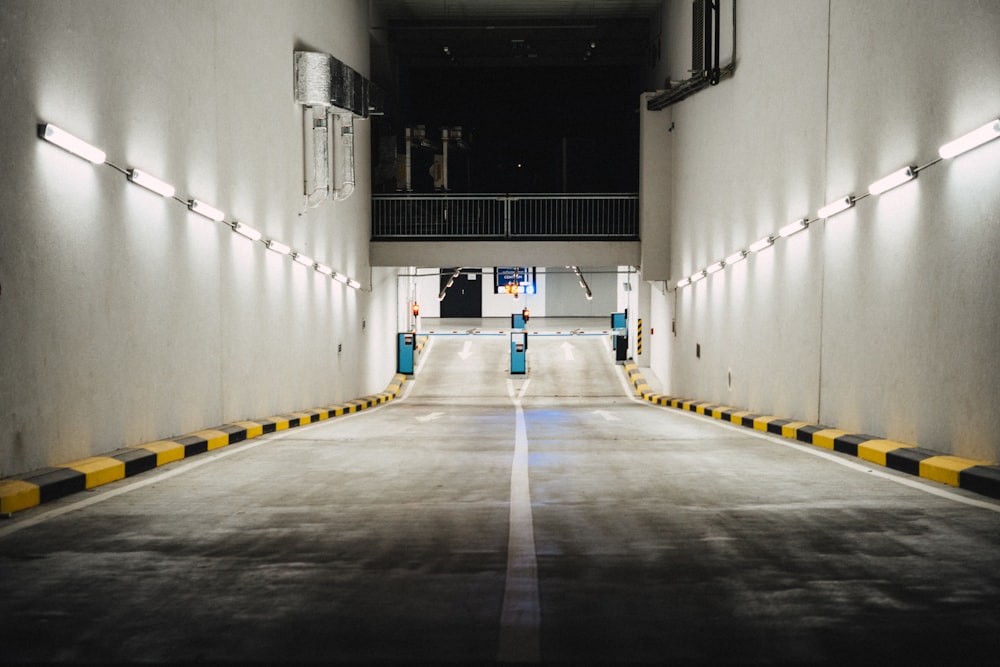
518	323
406	352
619	339
518	353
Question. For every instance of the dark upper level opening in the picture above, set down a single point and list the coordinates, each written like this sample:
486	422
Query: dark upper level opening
545	92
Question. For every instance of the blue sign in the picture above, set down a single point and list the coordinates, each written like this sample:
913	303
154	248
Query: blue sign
514	280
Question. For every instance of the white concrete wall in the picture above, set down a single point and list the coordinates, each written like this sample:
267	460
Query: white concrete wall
882	319
124	317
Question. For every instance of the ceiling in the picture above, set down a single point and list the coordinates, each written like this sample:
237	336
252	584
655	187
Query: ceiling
516	33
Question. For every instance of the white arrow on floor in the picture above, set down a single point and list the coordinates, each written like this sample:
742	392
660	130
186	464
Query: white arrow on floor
431	417
567	349
466	350
607	415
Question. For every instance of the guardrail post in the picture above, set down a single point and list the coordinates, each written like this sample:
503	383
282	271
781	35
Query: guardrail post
506	216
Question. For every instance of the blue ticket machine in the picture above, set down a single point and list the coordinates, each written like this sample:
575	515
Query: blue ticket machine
619	340
519	323
406	352
518	352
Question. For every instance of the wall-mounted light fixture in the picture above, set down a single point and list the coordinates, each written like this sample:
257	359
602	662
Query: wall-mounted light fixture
152	183
247	231
278	247
340	278
835	207
207	210
763	243
715	268
583	283
793	228
304	260
967	142
59	137
68	142
893	180
738	256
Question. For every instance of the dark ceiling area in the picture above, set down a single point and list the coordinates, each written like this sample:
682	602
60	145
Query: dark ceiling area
546	92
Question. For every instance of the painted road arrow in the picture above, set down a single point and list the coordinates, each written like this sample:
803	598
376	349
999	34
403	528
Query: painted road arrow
607	415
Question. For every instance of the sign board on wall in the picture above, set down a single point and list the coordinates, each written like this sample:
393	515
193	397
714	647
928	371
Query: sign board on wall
514	280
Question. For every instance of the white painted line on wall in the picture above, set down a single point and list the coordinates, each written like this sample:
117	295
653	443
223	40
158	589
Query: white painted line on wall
520	615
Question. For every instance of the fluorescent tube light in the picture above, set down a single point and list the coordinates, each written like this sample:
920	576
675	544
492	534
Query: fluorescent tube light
341	278
765	242
683	282
792	228
967	142
304	260
278	247
74	145
835	207
151	183
210	212
247	231
735	257
351	282
324	269
714	268
894	179
697	276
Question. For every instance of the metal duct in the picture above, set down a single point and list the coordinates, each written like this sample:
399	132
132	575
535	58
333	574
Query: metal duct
345	171
325	85
312	78
317	155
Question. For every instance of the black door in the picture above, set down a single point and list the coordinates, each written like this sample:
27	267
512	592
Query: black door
465	296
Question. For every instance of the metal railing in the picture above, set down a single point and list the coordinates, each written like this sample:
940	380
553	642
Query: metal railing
505	216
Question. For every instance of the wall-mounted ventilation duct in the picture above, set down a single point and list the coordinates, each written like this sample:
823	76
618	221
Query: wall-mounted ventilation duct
705	38
326	86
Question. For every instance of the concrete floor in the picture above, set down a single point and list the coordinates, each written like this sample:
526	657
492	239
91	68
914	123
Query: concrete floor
407	532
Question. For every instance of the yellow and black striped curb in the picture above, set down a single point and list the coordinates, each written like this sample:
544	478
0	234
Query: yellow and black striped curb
47	484
975	476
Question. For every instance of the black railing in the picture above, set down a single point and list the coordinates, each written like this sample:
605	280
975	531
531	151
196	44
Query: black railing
505	216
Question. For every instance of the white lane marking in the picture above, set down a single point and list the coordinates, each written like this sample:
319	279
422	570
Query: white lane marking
187	465
524	388
520	615
567	349
430	417
607	415
466	350
917	483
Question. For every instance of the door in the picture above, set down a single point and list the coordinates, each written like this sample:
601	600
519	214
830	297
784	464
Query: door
465	296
